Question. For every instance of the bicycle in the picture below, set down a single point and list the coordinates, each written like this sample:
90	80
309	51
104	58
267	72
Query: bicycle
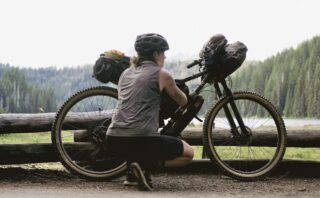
233	136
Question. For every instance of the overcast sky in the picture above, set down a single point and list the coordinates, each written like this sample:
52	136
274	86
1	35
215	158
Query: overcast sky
41	33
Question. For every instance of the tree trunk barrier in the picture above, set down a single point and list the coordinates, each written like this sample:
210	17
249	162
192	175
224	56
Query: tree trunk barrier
36	153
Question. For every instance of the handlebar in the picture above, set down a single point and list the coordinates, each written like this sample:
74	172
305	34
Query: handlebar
195	62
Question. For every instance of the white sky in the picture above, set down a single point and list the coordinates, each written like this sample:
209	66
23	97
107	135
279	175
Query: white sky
41	33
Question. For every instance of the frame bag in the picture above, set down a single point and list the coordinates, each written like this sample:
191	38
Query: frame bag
168	106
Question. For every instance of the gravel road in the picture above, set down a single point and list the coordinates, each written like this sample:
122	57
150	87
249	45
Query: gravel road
292	179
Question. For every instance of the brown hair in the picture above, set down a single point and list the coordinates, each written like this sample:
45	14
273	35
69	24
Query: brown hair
137	60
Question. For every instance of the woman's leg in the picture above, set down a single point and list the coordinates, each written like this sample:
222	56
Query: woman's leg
183	160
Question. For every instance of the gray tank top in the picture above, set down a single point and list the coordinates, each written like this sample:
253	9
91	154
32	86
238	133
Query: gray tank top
137	112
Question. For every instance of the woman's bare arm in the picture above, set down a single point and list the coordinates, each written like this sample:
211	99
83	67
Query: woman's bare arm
168	84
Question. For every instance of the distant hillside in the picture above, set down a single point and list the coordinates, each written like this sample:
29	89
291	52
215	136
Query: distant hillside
17	95
64	82
61	83
290	79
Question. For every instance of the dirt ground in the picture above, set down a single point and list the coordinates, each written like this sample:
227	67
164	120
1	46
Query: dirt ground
201	179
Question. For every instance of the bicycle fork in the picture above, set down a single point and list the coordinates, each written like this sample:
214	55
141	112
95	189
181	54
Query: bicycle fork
234	130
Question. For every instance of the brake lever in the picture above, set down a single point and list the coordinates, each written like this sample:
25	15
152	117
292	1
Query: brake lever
195	62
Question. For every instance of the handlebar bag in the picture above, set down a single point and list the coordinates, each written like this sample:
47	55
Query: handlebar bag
213	48
222	59
232	58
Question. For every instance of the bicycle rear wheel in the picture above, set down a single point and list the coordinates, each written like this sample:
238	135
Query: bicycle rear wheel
79	130
251	157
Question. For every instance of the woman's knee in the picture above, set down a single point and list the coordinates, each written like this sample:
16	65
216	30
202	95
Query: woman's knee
187	150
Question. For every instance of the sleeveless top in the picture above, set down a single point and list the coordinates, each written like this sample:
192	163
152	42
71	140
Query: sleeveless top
137	111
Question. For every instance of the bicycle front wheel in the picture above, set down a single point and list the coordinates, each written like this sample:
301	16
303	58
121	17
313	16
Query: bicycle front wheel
245	157
79	130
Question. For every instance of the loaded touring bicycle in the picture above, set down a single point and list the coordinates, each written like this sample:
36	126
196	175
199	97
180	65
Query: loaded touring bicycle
234	138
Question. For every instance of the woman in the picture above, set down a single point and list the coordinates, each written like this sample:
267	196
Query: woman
133	133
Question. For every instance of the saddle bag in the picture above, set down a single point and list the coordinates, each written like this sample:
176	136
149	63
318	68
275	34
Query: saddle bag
109	68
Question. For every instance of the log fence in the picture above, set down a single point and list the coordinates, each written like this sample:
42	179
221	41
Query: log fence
36	153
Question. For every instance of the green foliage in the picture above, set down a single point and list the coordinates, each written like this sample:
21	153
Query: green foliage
302	154
63	81
25	138
290	79
291	153
16	95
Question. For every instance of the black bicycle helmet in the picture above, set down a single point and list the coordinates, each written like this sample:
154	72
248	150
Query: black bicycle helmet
146	43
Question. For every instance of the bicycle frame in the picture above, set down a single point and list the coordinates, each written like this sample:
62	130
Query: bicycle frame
226	90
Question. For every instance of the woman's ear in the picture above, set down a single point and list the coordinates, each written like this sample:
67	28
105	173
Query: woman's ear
155	54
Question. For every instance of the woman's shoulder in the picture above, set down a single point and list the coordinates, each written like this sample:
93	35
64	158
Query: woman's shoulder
164	73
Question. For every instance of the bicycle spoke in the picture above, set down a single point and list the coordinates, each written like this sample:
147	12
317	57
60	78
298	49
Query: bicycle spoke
87	159
245	157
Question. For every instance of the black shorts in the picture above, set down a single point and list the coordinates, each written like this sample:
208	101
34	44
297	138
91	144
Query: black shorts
142	148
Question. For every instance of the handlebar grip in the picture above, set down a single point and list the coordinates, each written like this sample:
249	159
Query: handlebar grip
193	64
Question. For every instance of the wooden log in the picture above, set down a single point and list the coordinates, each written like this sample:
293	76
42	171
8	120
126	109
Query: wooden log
26	153
295	138
303	138
22	123
38	153
41	122
27	123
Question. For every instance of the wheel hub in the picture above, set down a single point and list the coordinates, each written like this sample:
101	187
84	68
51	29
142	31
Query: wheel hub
99	132
242	138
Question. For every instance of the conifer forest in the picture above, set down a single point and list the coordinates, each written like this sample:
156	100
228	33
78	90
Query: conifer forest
290	79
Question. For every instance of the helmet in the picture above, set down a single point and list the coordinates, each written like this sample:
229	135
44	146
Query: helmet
146	43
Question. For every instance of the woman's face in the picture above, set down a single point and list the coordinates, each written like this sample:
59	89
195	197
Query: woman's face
159	58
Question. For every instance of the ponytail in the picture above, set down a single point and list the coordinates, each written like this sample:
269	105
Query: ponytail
137	60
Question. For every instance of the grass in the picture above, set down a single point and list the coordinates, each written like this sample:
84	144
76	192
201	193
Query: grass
32	138
25	138
197	152
312	154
